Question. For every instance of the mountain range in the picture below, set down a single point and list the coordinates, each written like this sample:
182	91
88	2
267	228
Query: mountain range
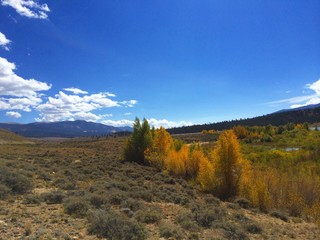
66	129
80	128
310	114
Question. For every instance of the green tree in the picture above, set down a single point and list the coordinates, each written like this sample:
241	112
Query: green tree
138	142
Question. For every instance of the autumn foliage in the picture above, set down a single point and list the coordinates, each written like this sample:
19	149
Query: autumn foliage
269	179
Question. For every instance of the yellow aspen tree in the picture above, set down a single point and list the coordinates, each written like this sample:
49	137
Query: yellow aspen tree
175	163
196	155
228	165
162	143
206	176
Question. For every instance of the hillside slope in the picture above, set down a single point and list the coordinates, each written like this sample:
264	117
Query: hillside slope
7	137
310	115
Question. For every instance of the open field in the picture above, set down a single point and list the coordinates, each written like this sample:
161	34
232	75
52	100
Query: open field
74	189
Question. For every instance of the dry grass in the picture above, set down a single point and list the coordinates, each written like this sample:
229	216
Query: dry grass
73	179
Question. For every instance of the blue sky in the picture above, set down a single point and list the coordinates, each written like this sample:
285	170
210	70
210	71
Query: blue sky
172	62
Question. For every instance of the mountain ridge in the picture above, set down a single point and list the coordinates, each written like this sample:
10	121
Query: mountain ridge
67	129
300	115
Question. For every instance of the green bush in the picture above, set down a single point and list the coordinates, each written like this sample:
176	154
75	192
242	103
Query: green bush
15	181
170	230
97	200
55	197
139	141
206	216
150	215
185	220
4	191
111	225
31	199
254	228
233	232
76	207
133	204
280	214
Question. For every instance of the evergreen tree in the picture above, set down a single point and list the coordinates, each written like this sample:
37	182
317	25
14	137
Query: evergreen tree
138	142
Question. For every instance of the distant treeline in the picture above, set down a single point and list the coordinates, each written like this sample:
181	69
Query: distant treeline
276	119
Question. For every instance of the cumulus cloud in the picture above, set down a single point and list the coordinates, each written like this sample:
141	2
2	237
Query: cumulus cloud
75	90
28	8
315	87
118	123
17	93
4	42
314	99
65	106
130	103
166	123
152	121
302	101
13	114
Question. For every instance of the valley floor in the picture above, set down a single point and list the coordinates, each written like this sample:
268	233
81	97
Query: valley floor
74	181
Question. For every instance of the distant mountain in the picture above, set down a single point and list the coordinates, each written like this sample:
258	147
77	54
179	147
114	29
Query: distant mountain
300	108
62	129
310	114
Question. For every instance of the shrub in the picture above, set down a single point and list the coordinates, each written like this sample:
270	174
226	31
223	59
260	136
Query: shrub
111	225
212	200
281	215
31	199
131	203
55	197
233	232
254	228
151	215
4	191
97	200
185	220
170	230
116	198
76	207
206	216
65	185
243	202
15	181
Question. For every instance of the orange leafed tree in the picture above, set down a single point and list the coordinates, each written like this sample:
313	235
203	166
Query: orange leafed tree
175	162
196	156
228	165
158	152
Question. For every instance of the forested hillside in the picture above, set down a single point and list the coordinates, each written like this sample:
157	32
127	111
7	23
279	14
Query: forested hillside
311	115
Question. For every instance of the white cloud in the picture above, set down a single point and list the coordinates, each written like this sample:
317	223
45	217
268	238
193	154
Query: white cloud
65	106
17	93
28	8
4	42
315	87
13	114
127	114
152	121
130	103
314	99
75	90
302	101
118	123
166	123
293	100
